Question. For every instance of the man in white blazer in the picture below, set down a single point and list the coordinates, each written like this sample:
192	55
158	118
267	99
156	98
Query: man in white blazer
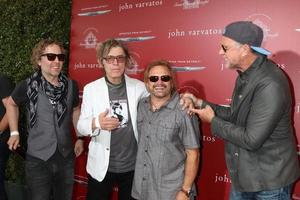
113	145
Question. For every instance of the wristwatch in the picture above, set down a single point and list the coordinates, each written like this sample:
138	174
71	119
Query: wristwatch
188	193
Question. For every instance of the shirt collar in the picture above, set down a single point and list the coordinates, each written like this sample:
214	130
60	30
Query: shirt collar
170	104
245	76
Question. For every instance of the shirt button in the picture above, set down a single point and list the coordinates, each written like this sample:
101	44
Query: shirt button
107	149
144	178
147	136
240	96
146	150
145	164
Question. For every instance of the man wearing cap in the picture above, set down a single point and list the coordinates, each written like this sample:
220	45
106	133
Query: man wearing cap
260	147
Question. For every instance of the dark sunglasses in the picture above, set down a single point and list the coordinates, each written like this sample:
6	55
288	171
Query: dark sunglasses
111	59
223	48
52	56
164	78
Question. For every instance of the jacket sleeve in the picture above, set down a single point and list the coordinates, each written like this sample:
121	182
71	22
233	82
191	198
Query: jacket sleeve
268	105
223	112
84	125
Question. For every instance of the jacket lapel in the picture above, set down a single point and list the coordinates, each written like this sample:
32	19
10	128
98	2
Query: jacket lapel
252	82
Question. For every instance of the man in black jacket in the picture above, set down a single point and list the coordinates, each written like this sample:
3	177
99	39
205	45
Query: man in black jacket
260	148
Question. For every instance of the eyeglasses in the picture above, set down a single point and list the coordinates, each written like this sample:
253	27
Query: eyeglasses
111	59
52	56
164	78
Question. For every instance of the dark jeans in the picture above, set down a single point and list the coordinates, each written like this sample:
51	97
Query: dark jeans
103	190
4	154
283	193
52	178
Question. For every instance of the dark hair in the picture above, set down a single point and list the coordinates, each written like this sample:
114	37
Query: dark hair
166	64
104	48
39	49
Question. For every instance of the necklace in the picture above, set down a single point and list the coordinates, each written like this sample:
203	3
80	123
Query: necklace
154	108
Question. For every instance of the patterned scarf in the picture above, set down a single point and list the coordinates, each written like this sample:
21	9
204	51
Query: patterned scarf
56	94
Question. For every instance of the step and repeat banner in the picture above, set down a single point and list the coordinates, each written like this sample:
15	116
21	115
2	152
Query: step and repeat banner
187	33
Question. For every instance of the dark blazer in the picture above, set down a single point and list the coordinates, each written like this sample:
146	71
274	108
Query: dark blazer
260	148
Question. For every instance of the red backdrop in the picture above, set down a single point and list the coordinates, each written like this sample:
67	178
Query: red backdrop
187	33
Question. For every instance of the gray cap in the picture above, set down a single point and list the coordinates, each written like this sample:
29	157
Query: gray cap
245	32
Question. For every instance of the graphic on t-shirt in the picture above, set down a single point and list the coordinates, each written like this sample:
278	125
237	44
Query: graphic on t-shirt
119	110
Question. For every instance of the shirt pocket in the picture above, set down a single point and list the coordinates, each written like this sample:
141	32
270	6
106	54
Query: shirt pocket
167	132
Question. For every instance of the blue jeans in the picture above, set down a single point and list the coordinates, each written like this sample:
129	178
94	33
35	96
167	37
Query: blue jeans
51	179
283	193
4	153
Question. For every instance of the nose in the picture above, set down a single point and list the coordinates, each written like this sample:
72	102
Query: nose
56	59
159	81
115	62
221	51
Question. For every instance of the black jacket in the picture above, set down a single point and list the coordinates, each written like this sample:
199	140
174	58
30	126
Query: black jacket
260	147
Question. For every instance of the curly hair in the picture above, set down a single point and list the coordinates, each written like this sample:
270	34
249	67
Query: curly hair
39	49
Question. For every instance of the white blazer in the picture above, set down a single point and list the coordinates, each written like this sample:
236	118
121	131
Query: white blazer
95	100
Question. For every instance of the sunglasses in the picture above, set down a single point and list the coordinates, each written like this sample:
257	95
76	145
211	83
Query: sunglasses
224	48
52	56
164	78
111	59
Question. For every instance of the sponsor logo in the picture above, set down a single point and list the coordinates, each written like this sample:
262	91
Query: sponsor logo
136	39
134	69
209	139
191	4
93	11
146	4
82	180
90	39
81	65
194	32
264	21
222	178
136	36
190	89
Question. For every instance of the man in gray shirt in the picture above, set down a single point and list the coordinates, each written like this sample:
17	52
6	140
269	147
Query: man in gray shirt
168	149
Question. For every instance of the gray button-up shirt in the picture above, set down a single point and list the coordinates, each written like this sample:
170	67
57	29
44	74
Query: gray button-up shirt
164	136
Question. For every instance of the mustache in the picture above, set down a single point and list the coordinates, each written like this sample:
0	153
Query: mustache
159	85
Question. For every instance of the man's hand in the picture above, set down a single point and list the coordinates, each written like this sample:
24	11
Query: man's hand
79	147
13	142
189	102
107	122
181	196
206	114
